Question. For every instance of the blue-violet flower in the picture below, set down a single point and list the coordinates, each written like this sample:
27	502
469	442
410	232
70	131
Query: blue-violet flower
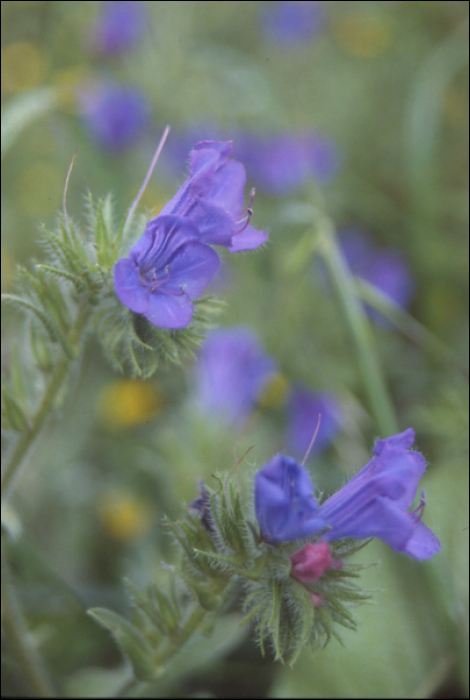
116	115
166	269
231	373
376	501
293	22
386	269
285	504
305	407
120	26
280	163
213	198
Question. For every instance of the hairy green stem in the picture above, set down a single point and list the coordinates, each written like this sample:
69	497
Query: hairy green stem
16	633
359	328
26	439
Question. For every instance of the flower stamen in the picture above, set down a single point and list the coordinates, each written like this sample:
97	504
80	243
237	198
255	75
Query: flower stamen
417	513
248	213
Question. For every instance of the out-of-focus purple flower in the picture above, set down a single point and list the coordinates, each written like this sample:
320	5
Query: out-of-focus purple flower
310	563
386	269
231	373
213	198
166	269
305	407
376	502
285	504
120	26
116	115
291	23
201	508
281	163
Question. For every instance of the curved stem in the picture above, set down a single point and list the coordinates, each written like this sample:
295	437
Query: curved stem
359	327
26	439
16	633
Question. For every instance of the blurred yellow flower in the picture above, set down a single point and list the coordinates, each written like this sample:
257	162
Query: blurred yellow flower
126	403
275	392
123	516
23	67
362	34
38	188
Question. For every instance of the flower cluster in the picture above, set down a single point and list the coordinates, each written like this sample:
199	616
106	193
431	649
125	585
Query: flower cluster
374	503
173	262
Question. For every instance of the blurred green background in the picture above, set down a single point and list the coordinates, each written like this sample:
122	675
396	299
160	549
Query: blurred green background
383	87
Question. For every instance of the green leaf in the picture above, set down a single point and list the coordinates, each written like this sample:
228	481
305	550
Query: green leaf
130	640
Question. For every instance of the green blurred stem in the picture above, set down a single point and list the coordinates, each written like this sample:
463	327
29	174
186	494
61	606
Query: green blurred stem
16	632
191	625
26	439
410	328
135	688
359	328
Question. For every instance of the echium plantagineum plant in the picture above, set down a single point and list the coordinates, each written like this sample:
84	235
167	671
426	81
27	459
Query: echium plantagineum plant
138	285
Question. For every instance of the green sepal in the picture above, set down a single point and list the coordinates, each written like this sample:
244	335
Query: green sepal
135	346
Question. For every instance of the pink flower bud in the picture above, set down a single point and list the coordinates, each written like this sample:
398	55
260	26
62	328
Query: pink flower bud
310	563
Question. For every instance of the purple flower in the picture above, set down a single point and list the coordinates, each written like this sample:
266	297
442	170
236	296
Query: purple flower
386	269
231	373
305	407
116	115
166	269
376	502
201	508
213	198
281	163
119	26
285	504
290	23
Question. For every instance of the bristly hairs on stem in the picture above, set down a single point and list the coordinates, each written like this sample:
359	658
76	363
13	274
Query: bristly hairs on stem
312	440
148	176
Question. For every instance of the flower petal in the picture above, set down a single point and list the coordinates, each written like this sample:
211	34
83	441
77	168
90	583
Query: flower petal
423	543
402	440
285	505
161	238
247	239
228	188
216	225
168	311
128	289
191	269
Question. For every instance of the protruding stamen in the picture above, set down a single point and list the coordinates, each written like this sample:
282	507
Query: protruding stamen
417	513
248	213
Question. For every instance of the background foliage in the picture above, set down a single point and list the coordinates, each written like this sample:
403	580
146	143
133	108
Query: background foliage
387	84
